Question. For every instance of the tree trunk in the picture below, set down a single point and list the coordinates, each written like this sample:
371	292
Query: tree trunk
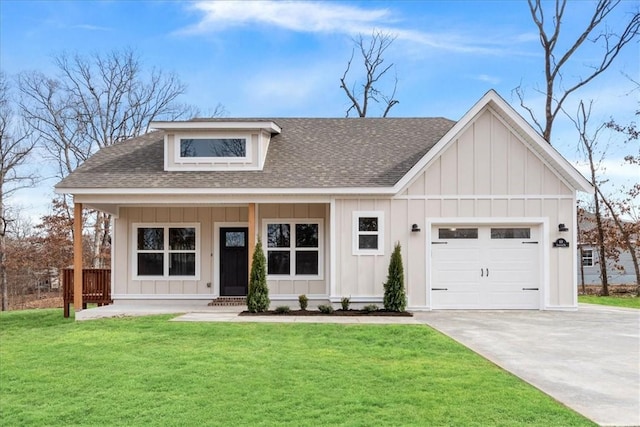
3	273
602	257
584	291
600	231
3	266
97	239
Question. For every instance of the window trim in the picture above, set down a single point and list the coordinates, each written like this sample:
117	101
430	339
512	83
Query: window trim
356	233
166	251
582	257
292	248
178	137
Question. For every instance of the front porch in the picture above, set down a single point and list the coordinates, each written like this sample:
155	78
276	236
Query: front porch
185	252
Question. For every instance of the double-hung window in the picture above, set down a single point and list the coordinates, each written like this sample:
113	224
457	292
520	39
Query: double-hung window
294	247
368	233
166	251
587	257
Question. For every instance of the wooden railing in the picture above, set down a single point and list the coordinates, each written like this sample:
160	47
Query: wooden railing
96	287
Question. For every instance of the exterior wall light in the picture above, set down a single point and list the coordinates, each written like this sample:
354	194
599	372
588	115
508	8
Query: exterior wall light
415	228
562	227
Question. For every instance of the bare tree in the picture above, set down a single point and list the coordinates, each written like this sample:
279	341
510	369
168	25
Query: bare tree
361	95
558	86
589	146
16	146
95	102
627	203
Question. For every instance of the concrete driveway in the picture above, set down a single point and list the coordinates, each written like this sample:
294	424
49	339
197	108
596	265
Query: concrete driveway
587	359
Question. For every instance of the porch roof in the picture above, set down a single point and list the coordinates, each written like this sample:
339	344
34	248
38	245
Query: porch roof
308	153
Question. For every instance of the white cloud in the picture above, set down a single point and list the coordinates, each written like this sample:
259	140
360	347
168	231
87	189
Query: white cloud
327	17
487	79
90	27
615	171
292	87
301	17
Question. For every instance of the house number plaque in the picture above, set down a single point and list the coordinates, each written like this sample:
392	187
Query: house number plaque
560	243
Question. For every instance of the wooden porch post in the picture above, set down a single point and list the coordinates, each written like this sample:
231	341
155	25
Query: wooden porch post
252	233
77	256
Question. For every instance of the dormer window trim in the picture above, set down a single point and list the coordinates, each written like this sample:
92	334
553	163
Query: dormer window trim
204	125
179	137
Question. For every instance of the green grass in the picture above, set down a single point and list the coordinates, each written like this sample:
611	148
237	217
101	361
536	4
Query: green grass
626	301
148	371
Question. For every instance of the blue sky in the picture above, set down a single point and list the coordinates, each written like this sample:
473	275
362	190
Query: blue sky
271	59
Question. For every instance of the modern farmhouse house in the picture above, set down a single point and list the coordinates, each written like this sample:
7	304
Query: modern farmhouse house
483	208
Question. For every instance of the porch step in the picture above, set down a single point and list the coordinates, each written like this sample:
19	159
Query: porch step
228	301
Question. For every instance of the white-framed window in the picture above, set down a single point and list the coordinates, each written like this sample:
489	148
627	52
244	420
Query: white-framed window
212	148
368	233
587	257
294	248
166	251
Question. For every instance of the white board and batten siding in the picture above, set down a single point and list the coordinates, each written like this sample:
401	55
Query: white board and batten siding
486	176
288	289
207	218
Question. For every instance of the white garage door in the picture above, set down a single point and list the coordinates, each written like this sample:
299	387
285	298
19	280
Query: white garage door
485	267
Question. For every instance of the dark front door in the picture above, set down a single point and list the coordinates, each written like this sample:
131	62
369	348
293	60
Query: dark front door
234	261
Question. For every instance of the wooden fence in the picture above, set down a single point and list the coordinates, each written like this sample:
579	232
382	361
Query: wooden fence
96	287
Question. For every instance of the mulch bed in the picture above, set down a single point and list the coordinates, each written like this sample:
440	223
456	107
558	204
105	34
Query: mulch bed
335	313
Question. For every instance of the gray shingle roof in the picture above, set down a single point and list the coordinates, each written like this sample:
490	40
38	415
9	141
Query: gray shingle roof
309	153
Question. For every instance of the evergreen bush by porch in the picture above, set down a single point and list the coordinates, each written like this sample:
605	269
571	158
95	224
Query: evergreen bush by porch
258	295
395	298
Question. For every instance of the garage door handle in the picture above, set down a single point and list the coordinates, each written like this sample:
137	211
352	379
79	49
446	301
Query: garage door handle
530	289
439	289
487	272
481	272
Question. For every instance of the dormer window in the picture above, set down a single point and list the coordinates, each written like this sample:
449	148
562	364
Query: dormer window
213	147
216	145
202	148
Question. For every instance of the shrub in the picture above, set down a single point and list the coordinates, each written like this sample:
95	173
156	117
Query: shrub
258	296
282	309
326	309
345	303
304	302
369	308
395	298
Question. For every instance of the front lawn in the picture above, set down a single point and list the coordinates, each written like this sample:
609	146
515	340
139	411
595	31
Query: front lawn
622	301
148	371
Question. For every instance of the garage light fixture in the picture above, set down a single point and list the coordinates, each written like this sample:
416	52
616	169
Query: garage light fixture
562	227
415	228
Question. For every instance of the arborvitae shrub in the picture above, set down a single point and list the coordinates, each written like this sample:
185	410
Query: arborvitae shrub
345	302
395	298
303	301
258	296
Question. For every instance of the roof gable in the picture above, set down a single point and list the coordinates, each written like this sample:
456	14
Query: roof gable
519	126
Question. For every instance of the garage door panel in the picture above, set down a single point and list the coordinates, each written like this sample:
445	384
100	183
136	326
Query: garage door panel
510	300
458	300
486	272
460	277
